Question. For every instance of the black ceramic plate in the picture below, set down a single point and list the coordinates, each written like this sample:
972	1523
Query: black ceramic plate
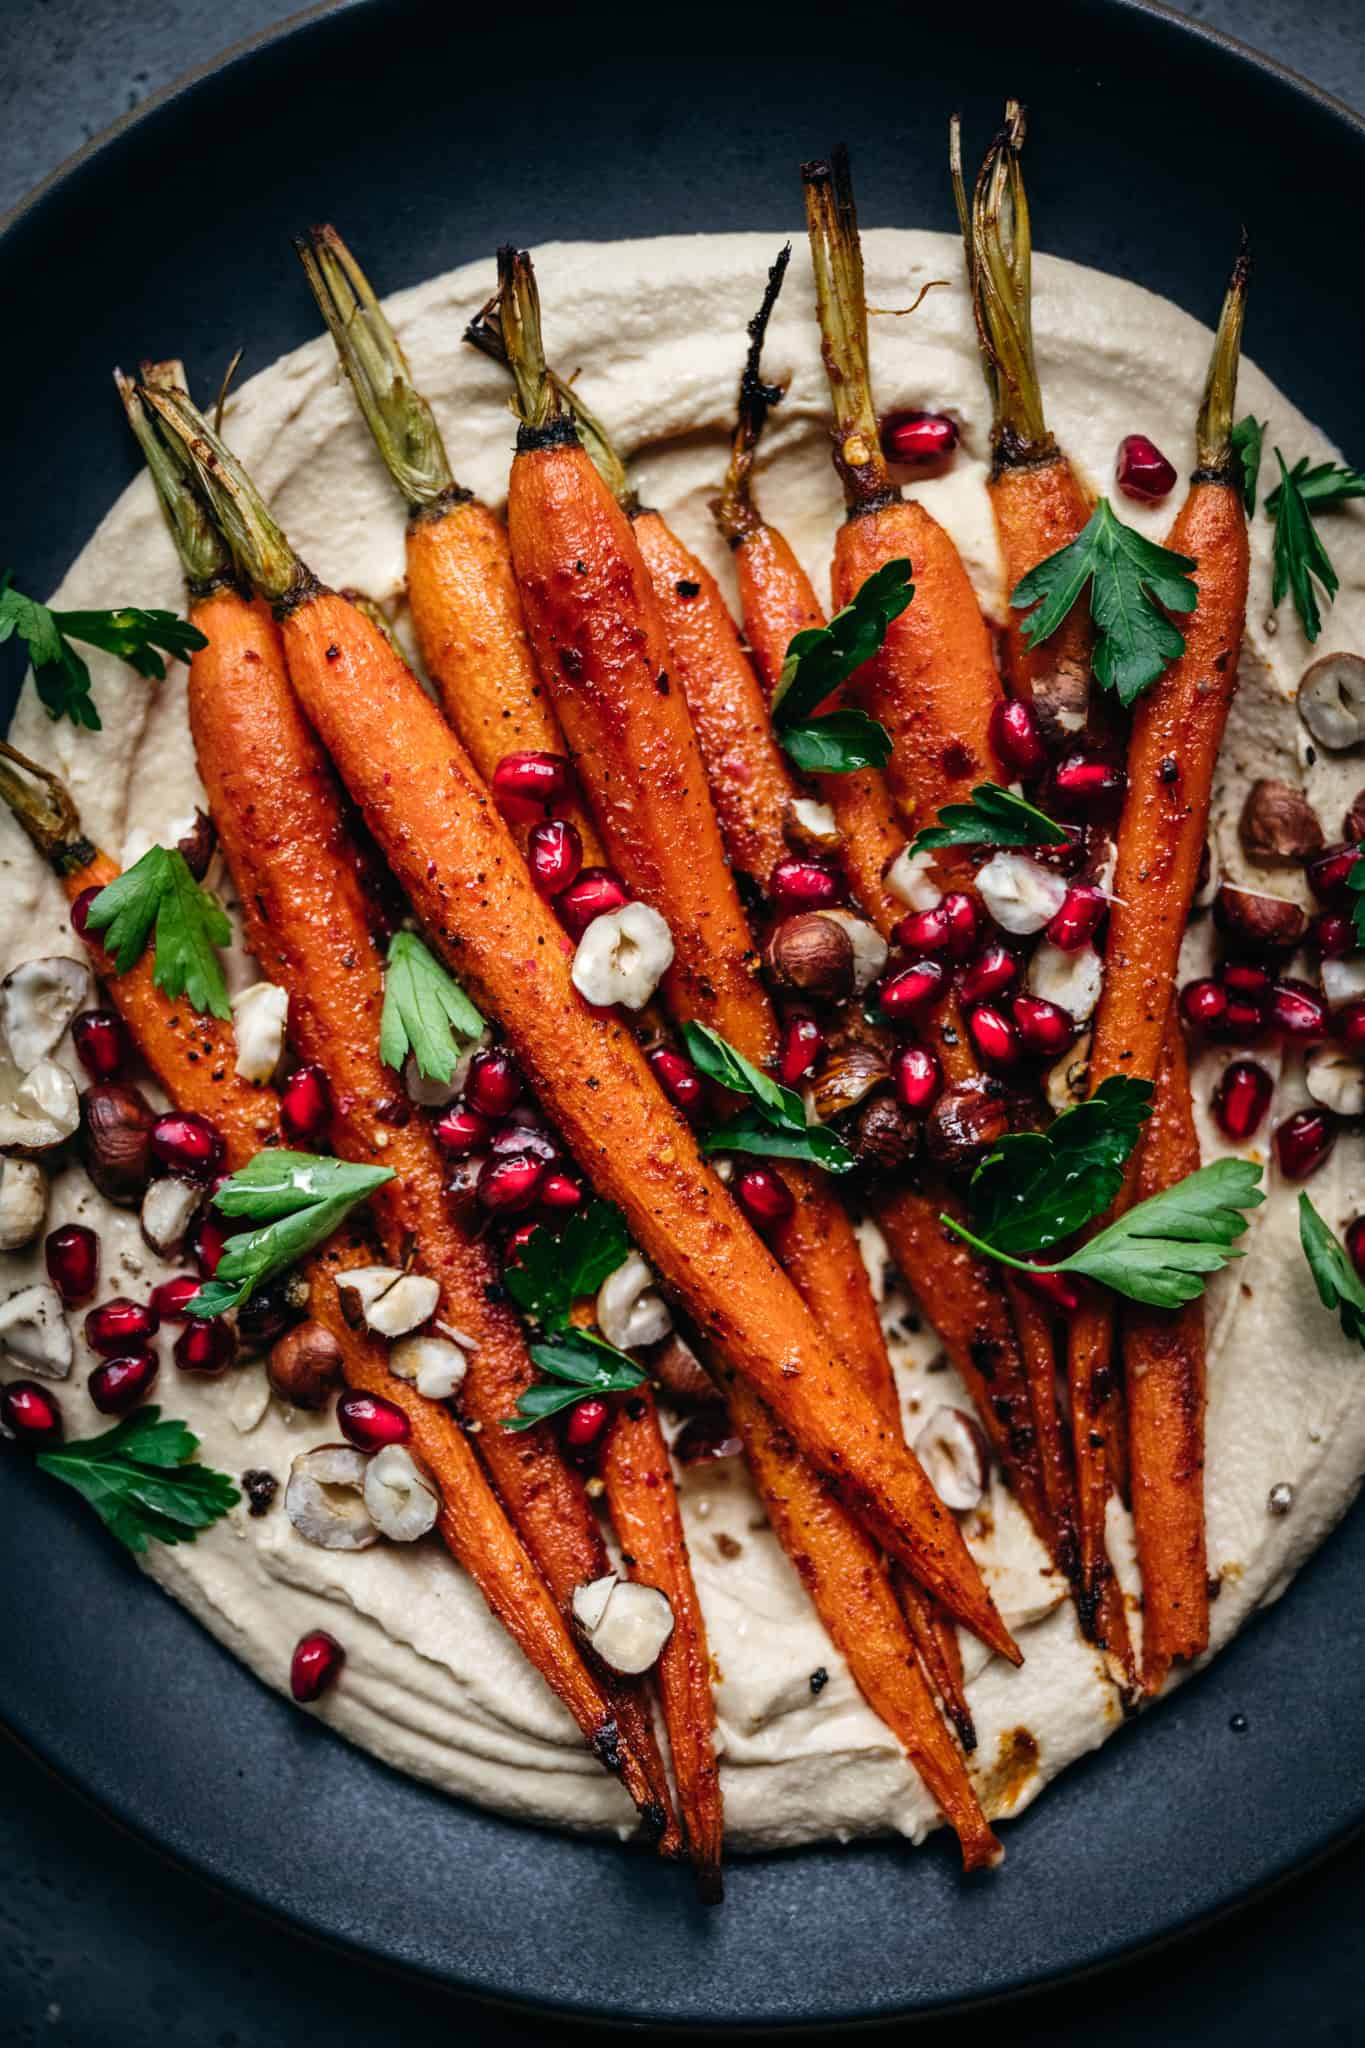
432	136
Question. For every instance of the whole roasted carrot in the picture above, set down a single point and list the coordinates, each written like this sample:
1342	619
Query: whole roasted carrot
194	1059
432	816
466	612
643	1504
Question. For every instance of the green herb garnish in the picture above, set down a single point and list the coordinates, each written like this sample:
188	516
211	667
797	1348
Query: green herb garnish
579	1364
1355	882
60	675
1133	583
550	1273
190	923
1326	483
1300	556
425	1011
1246	438
994	817
141	1480
1036	1188
1335	1277
298	1199
775	1122
823	658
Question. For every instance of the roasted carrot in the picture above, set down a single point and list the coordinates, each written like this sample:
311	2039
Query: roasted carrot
194	1059
644	1510
1163	1356
466	612
428	810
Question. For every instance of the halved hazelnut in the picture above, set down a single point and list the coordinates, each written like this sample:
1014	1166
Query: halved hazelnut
43	1110
1332	700
1269	921
34	1329
630	1310
965	1122
325	1498
259	1017
870	949
435	1366
37	1002
626	1624
401	1497
1061	700
814	955
386	1299
809	826
1335	1080
1020	894
168	1209
679	1371
845	1078
23	1202
1278	823
953	1452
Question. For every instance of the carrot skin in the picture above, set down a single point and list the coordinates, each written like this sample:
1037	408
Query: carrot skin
644	1510
1038	508
426	807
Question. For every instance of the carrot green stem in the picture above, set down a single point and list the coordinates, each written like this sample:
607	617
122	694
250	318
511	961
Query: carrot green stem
537	401
234	502
998	247
1213	435
47	813
841	299
735	511
202	550
400	419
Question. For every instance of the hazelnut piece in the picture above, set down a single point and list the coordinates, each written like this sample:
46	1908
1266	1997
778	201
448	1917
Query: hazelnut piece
1278	823
813	954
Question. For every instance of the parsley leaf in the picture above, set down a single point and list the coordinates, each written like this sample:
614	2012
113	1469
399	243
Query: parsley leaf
776	1124
1246	438
190	922
994	817
1159	1250
298	1199
1326	483
822	658
1299	553
425	1010
1130	580
1335	1277
140	1479
1034	1189
1355	882
60	675
554	1270
579	1364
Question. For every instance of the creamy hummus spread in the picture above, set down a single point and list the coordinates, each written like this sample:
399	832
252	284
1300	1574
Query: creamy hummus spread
431	1683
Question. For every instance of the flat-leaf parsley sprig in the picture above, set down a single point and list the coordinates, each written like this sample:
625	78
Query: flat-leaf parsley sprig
159	891
60	675
425	1011
774	1122
994	817
142	1480
1133	584
296	1199
550	1273
1339	1285
821	659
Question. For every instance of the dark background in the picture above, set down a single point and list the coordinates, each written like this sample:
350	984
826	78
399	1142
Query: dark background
102	1944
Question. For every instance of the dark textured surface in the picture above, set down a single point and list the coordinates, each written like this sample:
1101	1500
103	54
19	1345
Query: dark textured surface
103	1945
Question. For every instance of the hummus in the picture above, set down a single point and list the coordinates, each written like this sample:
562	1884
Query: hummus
431	1684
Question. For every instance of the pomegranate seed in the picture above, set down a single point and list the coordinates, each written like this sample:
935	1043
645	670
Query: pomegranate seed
1086	783
462	1130
72	1253
120	1383
560	1191
80	913
802	1041
187	1145
994	970
1015	739
678	1078
925	931
1241	1099
526	784
1355	1245
918	1077
1045	1030
554	854
920	440
1333	933
170	1300
912	989
585	1422
102	1043
314	1665
1329	875
510	1184
306	1107
1303	1141
1298	1011
803	884
963	923
494	1085
206	1345
595	894
1247	989
994	1037
120	1325
1078	919
1067	856
1351	1026
1055	1289
370	1422
708	1435
207	1242
1142	471
30	1413
1203	1004
763	1195
517	1242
